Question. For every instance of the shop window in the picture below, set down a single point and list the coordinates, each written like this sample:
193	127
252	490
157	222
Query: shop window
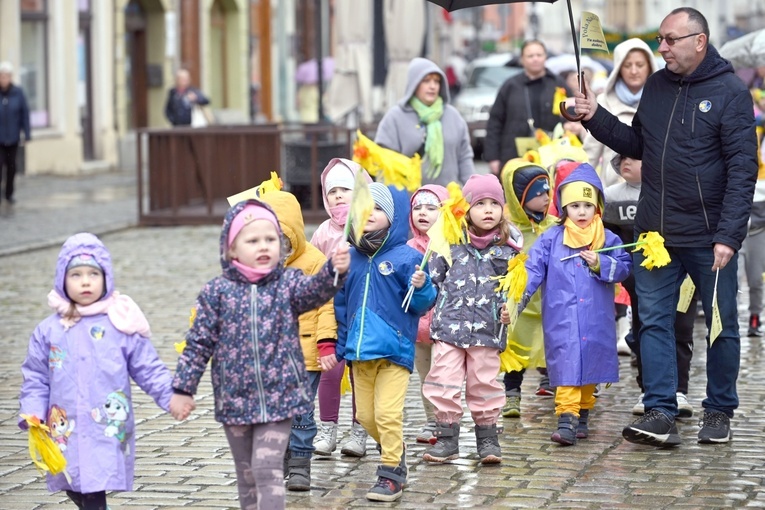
33	75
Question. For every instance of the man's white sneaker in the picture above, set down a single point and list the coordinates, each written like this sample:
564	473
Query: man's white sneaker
639	409
684	408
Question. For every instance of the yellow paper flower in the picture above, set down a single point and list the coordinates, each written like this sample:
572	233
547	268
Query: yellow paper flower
510	360
454	210
345	382
388	166
513	283
560	95
45	453
272	184
542	137
654	252
179	346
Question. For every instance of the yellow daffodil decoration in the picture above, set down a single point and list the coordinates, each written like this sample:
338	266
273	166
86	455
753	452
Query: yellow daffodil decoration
272	184
454	209
655	253
45	453
179	346
387	166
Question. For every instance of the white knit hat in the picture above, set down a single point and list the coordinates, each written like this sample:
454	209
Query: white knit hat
339	176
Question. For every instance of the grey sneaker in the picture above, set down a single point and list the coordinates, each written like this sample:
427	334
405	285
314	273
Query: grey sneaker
684	408
512	407
326	439
426	433
715	428
639	408
356	446
653	429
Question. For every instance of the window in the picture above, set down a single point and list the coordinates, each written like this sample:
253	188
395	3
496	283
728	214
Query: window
33	75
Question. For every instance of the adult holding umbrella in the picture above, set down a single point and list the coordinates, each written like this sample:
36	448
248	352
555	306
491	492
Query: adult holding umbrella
14	118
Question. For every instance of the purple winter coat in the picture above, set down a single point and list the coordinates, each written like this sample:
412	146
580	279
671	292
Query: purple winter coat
78	381
250	330
578	313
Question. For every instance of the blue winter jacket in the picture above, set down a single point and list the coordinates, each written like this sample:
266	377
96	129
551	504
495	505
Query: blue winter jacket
696	137
14	116
370	321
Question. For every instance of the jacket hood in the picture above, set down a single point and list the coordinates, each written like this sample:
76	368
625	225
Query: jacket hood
585	173
712	65
229	270
620	53
399	228
352	166
79	244
520	169
437	190
290	215
419	68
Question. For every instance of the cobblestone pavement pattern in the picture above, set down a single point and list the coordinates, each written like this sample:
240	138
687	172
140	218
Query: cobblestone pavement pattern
188	465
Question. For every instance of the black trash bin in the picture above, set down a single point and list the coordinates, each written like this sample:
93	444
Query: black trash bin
298	168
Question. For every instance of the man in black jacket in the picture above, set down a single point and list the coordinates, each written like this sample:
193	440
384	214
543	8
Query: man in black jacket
694	131
524	103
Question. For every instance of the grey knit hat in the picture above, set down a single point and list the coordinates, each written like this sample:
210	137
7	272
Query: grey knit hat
383	199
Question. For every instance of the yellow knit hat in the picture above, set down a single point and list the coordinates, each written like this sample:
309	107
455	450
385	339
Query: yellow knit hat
578	191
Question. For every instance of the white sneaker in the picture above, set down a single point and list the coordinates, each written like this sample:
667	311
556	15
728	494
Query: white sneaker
622	330
639	409
684	408
356	446
326	439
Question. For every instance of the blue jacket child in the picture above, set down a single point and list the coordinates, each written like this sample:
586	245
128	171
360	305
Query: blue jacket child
377	335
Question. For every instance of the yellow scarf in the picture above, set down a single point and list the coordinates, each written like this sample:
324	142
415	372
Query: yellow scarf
593	235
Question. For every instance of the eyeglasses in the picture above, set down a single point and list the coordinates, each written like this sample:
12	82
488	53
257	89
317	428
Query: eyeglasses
672	40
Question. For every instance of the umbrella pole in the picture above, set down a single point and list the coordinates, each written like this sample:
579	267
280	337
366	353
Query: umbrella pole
579	73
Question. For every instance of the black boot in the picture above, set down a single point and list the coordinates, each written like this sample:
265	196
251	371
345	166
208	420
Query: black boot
487	444
447	446
581	430
299	477
566	433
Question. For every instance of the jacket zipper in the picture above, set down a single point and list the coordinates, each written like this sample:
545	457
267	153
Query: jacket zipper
693	121
664	153
363	308
701	197
256	350
222	384
297	376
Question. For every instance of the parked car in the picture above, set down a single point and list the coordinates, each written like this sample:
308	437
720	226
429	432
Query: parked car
484	78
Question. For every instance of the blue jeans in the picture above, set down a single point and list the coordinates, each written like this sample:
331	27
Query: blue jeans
658	291
303	429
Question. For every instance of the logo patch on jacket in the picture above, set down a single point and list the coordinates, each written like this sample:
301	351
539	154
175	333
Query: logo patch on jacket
385	267
56	357
705	106
97	332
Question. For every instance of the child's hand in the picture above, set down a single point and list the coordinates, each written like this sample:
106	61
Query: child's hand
327	362
418	278
504	315
590	257
181	406
341	259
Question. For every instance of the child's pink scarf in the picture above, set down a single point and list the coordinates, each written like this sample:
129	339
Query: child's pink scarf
123	312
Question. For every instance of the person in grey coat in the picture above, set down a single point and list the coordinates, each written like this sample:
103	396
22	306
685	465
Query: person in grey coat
14	118
424	123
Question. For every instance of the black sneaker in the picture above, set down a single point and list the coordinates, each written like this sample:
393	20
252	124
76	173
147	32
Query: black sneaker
654	428
715	428
755	327
389	486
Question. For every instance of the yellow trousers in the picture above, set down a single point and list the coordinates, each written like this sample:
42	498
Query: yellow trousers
571	399
379	390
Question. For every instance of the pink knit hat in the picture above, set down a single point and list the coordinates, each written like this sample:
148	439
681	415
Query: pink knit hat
250	213
479	187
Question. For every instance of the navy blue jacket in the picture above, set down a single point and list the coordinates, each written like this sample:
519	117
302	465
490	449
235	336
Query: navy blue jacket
178	108
14	116
696	137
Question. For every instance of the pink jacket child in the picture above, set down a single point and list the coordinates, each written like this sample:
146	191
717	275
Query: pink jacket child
425	203
339	173
78	369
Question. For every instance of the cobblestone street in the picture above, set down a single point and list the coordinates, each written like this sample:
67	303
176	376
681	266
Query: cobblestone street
187	465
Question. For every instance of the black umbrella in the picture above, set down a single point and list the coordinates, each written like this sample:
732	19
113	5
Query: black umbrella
453	5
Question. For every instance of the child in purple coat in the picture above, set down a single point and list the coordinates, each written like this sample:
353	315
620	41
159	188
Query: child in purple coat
78	369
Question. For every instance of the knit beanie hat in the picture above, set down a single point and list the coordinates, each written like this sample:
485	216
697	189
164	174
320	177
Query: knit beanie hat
529	182
339	176
83	259
479	187
578	191
250	213
383	199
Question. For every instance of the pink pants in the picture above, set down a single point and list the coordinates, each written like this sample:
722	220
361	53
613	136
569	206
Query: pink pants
478	367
